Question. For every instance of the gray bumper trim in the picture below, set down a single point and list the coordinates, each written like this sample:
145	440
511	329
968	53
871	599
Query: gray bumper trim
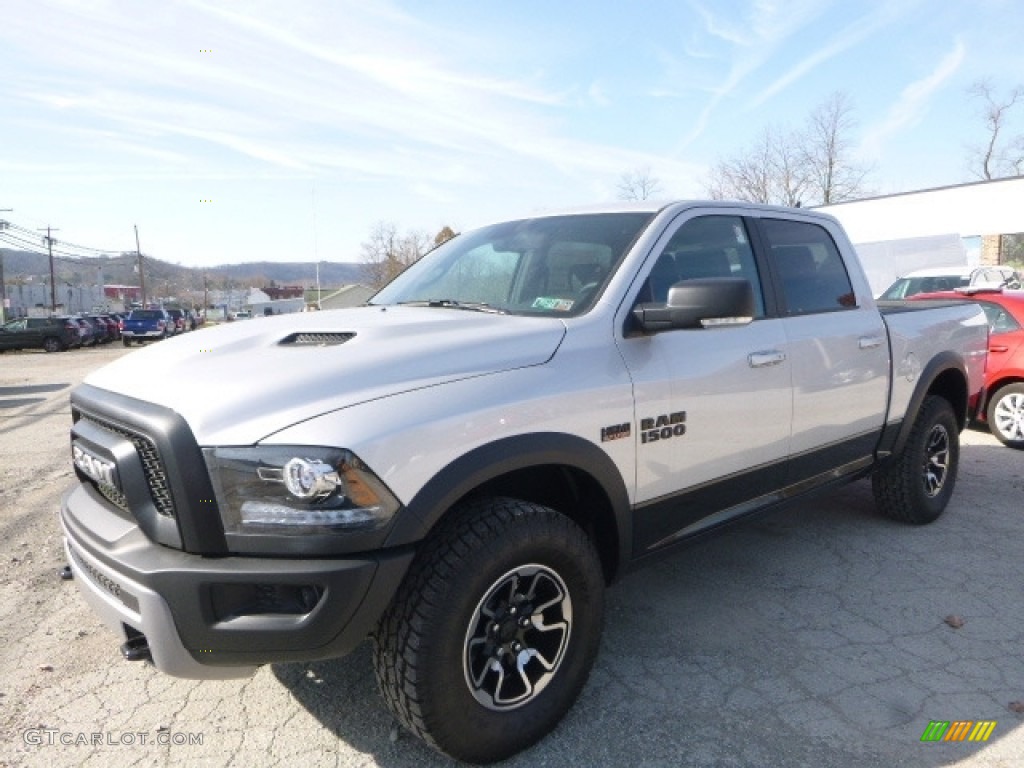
110	595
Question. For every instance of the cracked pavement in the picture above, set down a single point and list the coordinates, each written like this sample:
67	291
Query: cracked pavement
810	636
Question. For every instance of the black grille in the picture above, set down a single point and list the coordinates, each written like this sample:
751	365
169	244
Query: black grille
315	339
152	467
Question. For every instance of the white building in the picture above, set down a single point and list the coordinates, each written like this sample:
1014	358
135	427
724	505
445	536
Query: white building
949	226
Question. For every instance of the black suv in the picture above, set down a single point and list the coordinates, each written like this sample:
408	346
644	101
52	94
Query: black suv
49	333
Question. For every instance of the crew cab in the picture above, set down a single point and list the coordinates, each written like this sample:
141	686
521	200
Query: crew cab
146	324
459	468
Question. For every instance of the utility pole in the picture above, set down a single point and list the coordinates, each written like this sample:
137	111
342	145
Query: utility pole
53	282
206	294
3	290
142	276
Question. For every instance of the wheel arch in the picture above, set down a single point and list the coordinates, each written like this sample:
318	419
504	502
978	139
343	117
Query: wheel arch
557	470
944	376
991	389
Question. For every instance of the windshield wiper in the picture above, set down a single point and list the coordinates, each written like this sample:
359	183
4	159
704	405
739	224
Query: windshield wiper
472	306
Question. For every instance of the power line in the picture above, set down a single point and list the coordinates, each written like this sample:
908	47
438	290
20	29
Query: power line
33	247
31	233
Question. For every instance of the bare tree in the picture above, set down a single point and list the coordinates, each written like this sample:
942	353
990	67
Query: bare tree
770	171
386	254
997	156
795	167
638	184
833	175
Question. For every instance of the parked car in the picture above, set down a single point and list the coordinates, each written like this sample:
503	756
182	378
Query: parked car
116	321
178	315
90	337
949	279
1001	405
143	324
49	333
106	329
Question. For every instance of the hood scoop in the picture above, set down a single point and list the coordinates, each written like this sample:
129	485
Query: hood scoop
306	339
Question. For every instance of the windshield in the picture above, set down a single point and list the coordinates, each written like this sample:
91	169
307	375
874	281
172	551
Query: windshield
550	266
906	287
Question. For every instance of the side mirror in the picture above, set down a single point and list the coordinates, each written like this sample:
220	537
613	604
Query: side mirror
707	302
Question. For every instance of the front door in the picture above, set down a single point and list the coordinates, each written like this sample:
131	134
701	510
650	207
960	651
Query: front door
713	405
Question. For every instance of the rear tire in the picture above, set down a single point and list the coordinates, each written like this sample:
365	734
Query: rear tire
492	635
915	486
1005	415
126	342
51	344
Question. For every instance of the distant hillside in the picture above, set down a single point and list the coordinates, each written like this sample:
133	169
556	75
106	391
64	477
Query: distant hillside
300	273
24	266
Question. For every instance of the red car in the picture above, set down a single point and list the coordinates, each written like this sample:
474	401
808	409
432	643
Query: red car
1002	400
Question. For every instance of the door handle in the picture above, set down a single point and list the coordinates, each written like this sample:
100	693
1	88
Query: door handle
765	358
998	348
870	342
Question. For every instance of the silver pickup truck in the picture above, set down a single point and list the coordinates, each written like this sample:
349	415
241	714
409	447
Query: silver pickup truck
459	468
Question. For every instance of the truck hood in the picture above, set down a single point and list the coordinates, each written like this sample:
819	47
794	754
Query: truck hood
240	382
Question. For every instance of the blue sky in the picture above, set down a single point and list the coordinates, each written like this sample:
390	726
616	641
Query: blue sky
233	132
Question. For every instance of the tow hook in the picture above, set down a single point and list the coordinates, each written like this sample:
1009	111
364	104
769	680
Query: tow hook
136	649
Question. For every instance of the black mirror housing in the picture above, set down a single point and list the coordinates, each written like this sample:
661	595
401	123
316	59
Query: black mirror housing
699	303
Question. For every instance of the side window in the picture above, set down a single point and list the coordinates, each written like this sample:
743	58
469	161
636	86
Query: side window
999	320
811	271
707	246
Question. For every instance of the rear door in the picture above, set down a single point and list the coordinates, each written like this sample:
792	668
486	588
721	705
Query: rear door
1005	340
713	405
836	345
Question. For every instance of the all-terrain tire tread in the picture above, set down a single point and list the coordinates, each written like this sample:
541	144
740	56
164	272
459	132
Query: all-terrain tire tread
894	484
402	630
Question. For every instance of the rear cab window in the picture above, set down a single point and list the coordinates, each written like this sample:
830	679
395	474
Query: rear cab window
812	276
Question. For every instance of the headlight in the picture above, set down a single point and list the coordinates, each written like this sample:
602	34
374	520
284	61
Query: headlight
296	490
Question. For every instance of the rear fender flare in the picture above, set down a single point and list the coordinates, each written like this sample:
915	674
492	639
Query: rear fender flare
895	436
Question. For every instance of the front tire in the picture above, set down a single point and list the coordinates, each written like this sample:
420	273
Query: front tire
492	635
915	486
51	344
1005	415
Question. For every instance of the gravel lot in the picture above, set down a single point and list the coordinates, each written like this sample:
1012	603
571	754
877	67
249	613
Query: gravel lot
812	636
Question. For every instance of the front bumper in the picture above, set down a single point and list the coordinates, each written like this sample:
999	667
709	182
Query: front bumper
217	617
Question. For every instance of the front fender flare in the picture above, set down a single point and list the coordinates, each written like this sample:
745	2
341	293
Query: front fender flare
490	461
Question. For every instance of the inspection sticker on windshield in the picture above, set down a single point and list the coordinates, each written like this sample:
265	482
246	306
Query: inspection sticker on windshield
556	305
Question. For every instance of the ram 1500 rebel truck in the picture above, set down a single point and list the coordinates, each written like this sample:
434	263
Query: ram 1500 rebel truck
459	468
144	324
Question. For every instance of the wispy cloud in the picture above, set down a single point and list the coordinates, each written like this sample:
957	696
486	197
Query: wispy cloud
754	39
913	102
845	39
